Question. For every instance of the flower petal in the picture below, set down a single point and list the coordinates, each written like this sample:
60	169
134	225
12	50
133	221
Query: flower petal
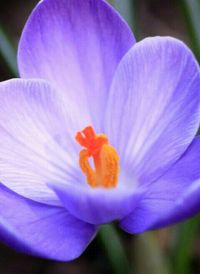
36	146
186	206
41	230
76	45
173	197
154	106
97	206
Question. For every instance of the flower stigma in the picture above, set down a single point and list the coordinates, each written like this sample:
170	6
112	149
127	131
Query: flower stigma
105	158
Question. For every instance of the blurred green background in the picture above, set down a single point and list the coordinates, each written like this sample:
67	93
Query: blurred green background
175	250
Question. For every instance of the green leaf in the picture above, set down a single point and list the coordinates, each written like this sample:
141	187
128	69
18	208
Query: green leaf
128	11
191	13
8	52
186	233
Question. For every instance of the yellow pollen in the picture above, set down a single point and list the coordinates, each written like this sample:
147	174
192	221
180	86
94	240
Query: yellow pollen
105	157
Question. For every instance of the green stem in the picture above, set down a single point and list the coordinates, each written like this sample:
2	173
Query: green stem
8	53
114	249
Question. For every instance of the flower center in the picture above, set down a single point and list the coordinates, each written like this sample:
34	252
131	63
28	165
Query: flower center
105	158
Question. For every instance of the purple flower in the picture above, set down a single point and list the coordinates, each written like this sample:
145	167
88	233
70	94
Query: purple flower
98	128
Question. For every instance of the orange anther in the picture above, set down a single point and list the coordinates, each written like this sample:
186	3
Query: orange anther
106	160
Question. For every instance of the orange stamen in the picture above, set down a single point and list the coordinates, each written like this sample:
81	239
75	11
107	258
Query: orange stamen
106	160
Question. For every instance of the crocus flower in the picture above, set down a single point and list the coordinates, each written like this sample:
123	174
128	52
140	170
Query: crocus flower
98	128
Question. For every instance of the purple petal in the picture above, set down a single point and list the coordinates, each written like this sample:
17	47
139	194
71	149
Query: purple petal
36	146
173	197
186	206
41	230
97	206
76	45
154	106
